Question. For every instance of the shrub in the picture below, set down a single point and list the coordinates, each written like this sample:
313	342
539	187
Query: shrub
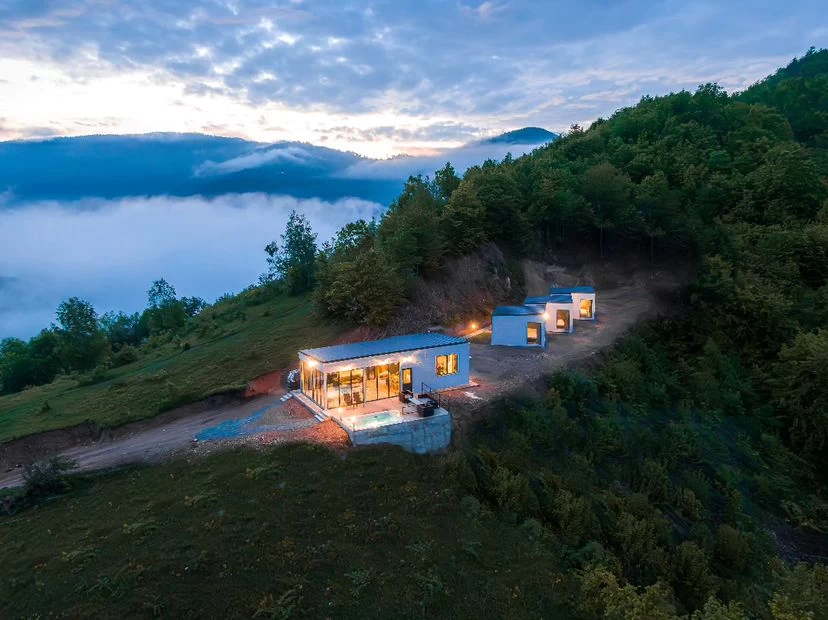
691	578
715	610
689	505
125	355
652	480
512	493
457	469
47	476
733	548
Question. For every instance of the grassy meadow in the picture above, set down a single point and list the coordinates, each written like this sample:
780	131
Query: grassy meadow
289	532
228	345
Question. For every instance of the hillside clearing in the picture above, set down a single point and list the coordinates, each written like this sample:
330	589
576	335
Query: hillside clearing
497	370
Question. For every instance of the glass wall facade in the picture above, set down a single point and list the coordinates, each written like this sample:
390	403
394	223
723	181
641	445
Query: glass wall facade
347	388
382	381
312	383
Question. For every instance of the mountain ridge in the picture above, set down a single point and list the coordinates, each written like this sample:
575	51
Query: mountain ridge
109	166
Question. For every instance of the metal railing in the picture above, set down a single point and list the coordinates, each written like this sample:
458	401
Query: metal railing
441	399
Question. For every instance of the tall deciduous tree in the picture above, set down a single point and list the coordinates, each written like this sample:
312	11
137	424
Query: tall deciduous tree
82	342
464	220
608	191
410	234
164	311
365	289
294	262
658	206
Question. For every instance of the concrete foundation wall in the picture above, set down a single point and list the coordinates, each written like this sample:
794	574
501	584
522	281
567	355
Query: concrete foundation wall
422	436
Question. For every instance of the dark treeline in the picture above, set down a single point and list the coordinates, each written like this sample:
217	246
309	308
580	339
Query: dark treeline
82	341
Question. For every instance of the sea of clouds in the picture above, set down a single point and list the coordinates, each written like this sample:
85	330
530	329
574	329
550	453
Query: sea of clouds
110	251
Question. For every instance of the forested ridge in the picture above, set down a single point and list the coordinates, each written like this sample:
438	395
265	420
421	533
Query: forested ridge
667	479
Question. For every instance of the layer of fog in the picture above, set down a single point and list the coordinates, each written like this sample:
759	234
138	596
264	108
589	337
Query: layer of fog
109	252
343	165
288	153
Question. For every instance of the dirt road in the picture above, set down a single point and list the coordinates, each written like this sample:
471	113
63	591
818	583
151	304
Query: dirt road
146	443
497	370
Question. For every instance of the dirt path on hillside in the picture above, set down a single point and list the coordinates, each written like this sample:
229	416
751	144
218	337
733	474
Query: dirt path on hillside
143	442
496	370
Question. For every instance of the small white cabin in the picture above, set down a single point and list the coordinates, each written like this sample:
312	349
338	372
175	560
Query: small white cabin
559	311
349	375
519	326
583	300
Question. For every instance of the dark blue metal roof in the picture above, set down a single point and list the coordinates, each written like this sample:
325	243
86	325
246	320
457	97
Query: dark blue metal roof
545	299
368	348
571	289
517	311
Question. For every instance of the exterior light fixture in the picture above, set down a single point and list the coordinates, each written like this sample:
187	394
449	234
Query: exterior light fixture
545	315
473	325
312	363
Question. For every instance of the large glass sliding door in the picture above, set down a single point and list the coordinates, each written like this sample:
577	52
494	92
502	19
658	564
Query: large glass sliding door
348	388
382	381
345	388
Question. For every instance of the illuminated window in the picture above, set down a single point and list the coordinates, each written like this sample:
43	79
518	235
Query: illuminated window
586	308
533	333
447	365
562	319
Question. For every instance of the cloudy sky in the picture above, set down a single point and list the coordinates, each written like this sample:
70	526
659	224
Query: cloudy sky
378	78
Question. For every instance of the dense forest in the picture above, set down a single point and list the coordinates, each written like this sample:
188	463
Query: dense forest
663	478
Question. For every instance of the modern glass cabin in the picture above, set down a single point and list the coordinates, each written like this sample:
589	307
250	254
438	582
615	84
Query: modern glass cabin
349	375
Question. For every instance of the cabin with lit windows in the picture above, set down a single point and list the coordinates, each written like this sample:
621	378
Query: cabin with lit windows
583	300
558	309
519	326
556	313
352	375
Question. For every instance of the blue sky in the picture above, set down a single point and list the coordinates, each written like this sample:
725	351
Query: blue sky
378	78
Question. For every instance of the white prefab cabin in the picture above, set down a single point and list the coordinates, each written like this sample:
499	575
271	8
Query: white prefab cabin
519	326
559	311
348	375
583	300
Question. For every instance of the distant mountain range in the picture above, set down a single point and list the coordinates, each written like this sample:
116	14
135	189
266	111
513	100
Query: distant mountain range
68	169
527	135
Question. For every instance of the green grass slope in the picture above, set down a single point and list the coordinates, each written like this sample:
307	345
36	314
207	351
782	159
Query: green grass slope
284	533
229	344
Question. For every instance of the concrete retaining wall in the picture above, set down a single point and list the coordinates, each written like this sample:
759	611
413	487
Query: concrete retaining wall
421	436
